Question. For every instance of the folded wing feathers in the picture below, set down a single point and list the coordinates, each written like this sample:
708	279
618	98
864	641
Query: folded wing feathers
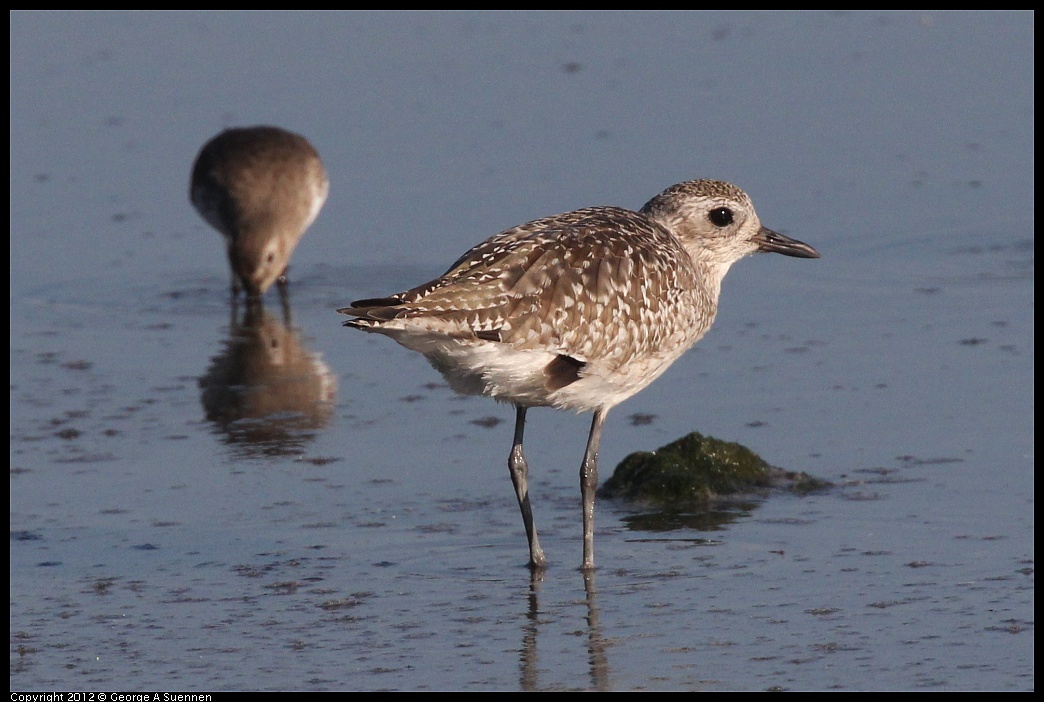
545	284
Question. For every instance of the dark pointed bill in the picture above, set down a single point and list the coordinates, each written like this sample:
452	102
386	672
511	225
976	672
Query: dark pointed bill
768	240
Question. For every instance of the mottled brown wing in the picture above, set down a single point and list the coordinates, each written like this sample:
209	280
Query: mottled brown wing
473	266
585	284
614	288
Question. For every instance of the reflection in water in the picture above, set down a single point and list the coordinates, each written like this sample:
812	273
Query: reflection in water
706	517
598	662
266	392
528	682
595	641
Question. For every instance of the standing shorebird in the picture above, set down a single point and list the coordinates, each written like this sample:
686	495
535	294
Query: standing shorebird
578	311
261	187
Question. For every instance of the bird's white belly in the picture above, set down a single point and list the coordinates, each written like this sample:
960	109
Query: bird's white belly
477	367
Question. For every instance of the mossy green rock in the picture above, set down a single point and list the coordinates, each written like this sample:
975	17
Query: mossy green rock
696	468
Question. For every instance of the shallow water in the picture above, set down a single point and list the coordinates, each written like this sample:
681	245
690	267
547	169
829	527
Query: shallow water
169	533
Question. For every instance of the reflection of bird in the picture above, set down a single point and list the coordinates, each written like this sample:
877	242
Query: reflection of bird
261	187
266	391
578	311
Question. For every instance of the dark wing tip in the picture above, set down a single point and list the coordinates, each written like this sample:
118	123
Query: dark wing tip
372	302
372	308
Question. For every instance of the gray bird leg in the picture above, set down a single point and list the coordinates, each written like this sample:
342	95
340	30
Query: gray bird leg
588	483
519	471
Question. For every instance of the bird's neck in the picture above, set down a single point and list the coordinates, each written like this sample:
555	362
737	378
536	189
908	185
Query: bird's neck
711	273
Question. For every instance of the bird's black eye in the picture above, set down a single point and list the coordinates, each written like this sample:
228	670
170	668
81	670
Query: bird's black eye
720	216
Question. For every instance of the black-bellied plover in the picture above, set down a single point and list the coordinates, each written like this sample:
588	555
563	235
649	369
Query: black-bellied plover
578	311
261	187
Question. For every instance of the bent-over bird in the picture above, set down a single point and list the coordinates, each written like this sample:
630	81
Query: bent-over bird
261	188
